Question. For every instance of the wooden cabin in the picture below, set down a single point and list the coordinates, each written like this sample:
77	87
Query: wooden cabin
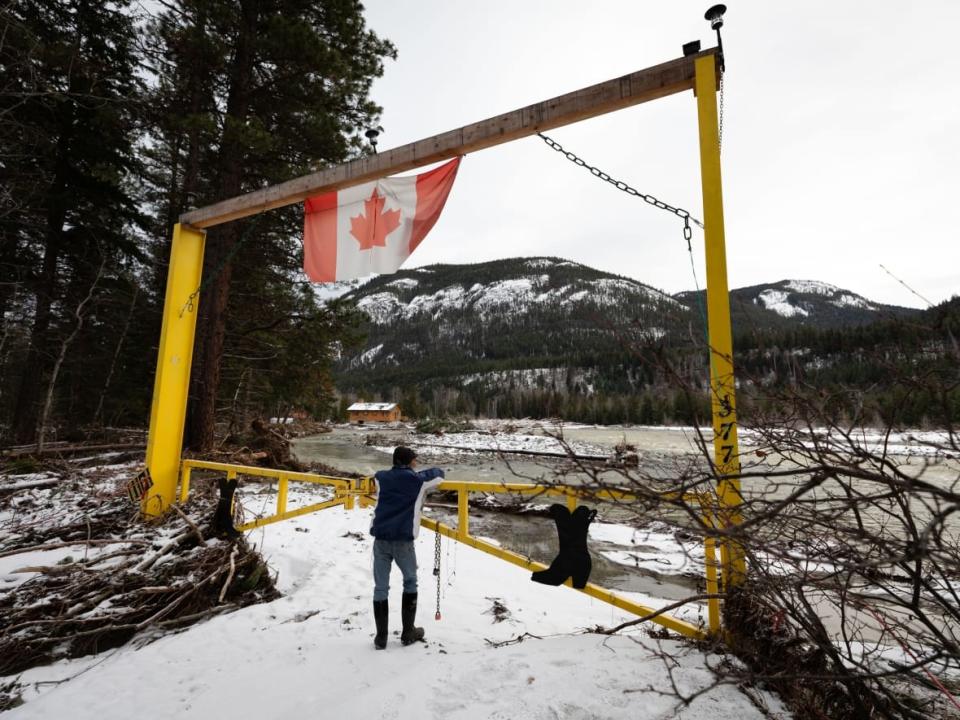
373	412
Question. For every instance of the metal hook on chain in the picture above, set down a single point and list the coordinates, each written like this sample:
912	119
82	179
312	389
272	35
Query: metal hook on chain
188	305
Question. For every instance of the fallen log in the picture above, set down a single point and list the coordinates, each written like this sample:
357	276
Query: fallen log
62	450
28	484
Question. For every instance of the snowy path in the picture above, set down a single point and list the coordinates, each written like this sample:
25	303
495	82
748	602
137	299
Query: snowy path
278	660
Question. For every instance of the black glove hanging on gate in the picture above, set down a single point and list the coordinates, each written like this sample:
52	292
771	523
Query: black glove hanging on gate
222	524
573	560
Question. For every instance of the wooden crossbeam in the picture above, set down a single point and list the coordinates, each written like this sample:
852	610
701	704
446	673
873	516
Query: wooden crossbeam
655	82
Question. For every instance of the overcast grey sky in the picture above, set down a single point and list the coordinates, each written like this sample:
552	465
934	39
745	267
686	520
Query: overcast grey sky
841	136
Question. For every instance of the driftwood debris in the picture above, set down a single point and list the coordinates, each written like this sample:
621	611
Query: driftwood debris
96	575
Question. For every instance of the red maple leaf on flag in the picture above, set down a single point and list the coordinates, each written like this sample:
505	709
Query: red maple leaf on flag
371	228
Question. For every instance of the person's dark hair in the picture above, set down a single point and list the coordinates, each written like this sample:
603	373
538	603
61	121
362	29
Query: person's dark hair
403	455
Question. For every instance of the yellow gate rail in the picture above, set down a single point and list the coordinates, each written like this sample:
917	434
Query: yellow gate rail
344	488
363	490
571	492
607	596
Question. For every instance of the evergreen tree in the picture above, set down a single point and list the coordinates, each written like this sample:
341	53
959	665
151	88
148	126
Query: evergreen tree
69	108
272	89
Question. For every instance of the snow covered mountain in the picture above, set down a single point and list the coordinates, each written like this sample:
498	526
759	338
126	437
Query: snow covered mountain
802	302
522	287
506	314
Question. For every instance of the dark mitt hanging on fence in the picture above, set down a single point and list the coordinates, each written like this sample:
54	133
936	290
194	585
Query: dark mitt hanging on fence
573	560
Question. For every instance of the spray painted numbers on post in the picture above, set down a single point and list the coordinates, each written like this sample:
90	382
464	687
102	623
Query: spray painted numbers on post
726	429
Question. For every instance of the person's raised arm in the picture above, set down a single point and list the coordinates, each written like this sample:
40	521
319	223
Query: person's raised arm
431	478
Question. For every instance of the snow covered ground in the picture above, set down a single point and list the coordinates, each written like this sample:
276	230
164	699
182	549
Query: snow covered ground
524	435
310	653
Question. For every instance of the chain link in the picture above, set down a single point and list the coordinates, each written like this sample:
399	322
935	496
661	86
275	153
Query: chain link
436	568
720	119
189	305
621	185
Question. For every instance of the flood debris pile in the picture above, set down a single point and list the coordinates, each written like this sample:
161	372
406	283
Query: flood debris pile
258	443
81	573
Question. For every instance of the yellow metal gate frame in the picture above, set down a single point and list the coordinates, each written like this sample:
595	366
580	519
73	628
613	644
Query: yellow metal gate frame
360	493
697	72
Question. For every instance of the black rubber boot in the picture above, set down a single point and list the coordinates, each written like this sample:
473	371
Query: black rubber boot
408	613
573	560
381	614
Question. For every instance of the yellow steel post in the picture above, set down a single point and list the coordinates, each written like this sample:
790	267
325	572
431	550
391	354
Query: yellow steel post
367	489
348	502
571	502
232	475
185	484
725	445
169	409
463	516
282	494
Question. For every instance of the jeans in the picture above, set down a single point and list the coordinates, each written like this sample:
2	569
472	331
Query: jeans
401	552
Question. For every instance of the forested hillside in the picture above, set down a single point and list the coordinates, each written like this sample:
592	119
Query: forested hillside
546	337
792	303
900	371
527	336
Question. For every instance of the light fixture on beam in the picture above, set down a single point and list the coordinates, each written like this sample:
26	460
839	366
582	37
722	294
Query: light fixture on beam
715	16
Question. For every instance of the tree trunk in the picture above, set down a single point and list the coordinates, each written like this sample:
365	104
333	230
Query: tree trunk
116	355
219	241
55	372
25	412
56	199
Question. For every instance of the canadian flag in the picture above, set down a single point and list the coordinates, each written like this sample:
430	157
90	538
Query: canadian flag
372	228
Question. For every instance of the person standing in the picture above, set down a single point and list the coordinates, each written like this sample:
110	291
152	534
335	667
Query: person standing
395	525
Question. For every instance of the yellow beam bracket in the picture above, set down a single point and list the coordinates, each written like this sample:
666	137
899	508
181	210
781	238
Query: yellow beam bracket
260	522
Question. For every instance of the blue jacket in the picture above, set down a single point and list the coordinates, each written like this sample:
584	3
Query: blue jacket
400	493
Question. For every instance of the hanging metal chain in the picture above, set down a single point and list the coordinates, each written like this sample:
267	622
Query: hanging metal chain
720	119
620	185
436	568
650	199
189	306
